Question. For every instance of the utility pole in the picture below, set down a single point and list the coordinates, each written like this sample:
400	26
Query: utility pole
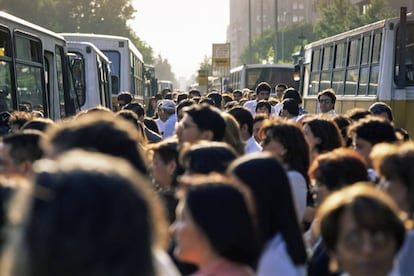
276	29
250	32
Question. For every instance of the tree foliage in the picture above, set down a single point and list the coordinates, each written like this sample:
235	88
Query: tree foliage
289	40
339	16
109	17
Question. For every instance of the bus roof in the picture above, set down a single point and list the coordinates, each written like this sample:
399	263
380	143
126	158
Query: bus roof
97	39
73	44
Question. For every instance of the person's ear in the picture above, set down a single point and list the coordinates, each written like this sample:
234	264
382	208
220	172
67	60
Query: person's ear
207	135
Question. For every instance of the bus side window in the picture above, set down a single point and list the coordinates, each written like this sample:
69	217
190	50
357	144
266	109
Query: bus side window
115	84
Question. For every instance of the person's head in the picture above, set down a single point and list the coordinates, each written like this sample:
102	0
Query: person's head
394	165
343	123
275	209
237	95
381	109
279	89
402	134
292	93
216	97
258	120
194	93
245	120
152	103
263	91
322	134
336	169
17	119
18	152
131	117
180	106
357	113
124	98
201	122
263	106
369	131
213	218
290	108
361	229
165	109
88	214
206	157
137	108
232	135
226	98
38	123
326	99
165	166
285	140
182	96
207	100
97	131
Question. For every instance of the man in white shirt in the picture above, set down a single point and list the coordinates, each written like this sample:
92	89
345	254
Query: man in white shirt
262	93
326	99
166	112
245	120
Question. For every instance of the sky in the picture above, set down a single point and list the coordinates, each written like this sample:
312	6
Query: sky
182	31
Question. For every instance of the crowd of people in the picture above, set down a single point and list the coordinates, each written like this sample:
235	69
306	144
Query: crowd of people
228	183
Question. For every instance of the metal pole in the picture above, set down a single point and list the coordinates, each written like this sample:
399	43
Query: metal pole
250	32
276	29
261	18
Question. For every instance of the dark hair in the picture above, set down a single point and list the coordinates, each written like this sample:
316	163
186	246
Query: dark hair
207	117
380	107
371	209
206	157
243	117
292	93
97	216
137	108
221	212
182	96
208	101
338	168
194	93
274	204
374	130
125	96
38	123
24	146
216	97
151	124
291	106
265	104
328	92
292	138
327	132
98	131
263	86
357	113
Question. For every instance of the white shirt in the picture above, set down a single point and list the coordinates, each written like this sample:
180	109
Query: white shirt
275	260
251	106
252	146
299	191
169	126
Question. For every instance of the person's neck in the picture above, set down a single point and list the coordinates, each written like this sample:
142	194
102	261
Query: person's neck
207	259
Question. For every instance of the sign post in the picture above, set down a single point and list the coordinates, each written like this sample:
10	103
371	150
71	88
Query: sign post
221	61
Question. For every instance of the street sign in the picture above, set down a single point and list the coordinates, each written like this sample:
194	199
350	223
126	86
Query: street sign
221	55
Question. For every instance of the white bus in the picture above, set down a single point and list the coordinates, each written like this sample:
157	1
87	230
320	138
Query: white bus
250	75
91	71
368	64
127	64
165	84
34	70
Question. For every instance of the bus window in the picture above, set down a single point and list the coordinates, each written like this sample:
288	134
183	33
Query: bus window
114	57
5	72
29	73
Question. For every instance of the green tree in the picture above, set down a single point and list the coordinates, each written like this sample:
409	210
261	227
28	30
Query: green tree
337	17
163	70
206	64
377	10
290	38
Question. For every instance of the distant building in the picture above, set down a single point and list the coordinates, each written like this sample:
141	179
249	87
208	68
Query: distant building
262	14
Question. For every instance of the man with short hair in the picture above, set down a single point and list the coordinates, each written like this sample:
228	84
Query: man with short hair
245	120
326	99
262	93
124	98
201	122
166	112
18	152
